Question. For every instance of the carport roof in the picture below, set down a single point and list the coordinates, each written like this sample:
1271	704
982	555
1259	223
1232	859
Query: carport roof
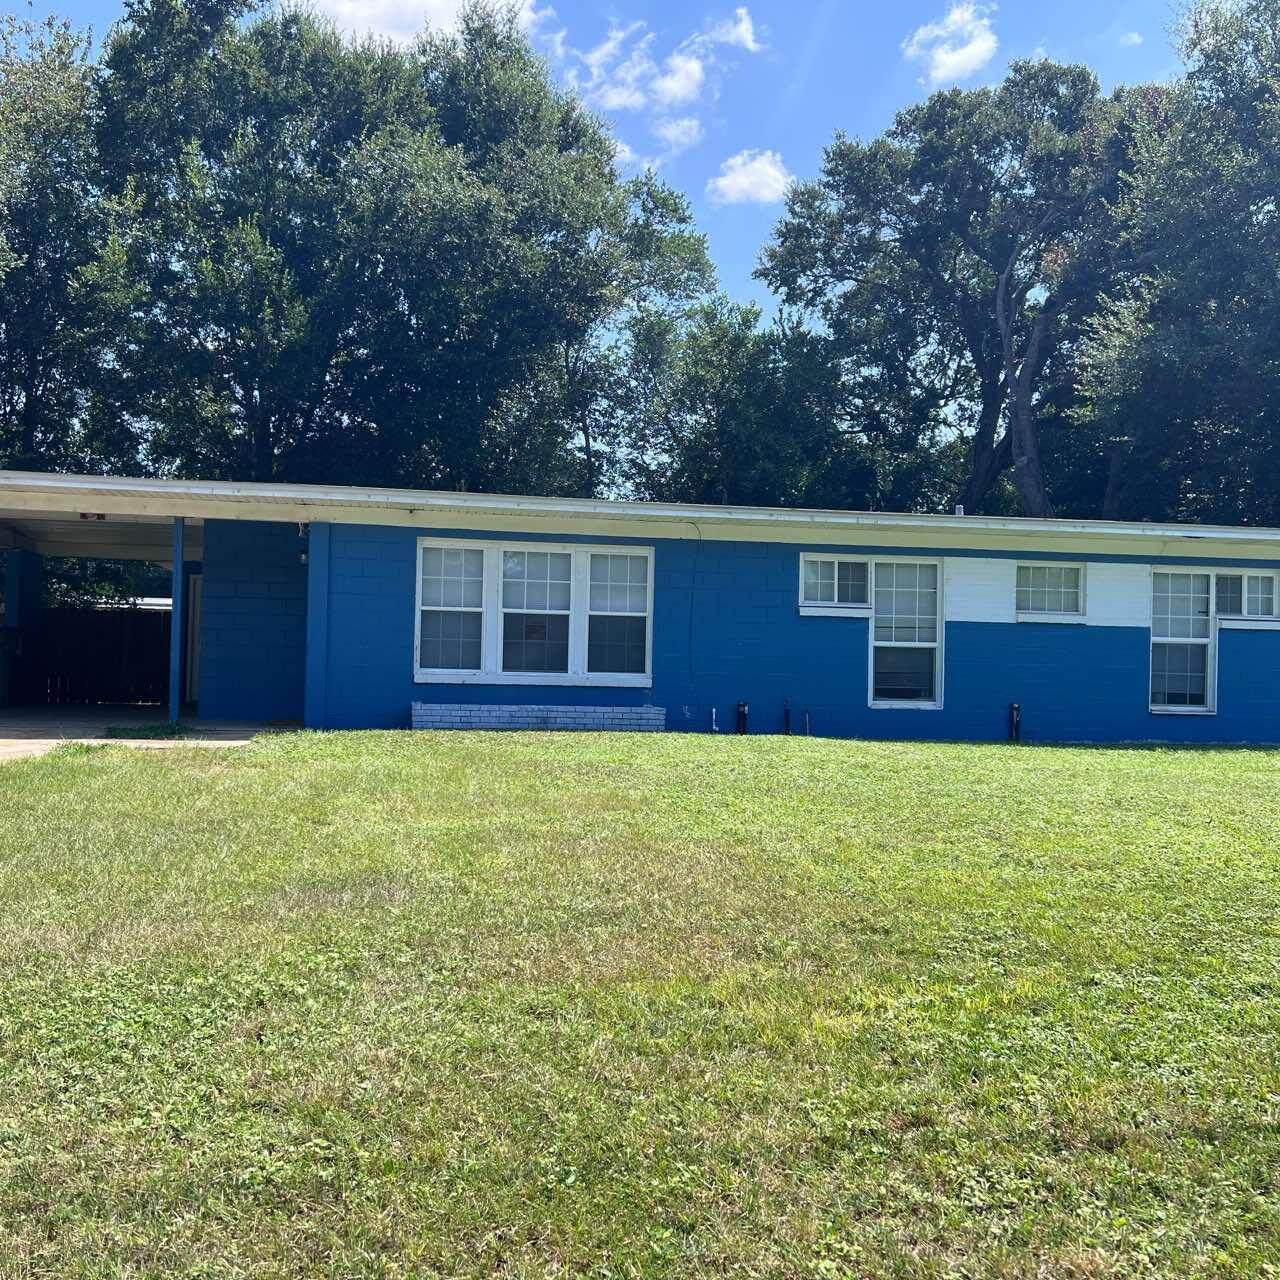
119	517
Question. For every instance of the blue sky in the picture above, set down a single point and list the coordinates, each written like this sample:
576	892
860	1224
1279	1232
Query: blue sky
730	101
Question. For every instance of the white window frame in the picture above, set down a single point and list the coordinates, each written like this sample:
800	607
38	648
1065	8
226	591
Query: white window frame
490	671
1210	644
1244	620
938	646
1036	615
809	609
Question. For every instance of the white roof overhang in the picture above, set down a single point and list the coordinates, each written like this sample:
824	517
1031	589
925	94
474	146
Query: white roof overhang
131	518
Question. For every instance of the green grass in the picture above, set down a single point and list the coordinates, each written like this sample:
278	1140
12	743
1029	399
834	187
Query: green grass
166	729
535	1005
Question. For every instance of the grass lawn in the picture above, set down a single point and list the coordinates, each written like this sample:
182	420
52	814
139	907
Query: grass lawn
531	1005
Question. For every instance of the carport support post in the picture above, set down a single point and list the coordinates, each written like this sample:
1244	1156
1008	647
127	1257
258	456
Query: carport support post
176	647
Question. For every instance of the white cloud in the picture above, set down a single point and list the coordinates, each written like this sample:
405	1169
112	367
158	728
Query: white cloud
739	30
1130	39
681	81
621	73
750	177
404	19
679	134
956	47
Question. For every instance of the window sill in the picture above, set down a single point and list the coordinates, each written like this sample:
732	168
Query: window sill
880	705
1077	619
835	610
1249	624
1183	711
554	679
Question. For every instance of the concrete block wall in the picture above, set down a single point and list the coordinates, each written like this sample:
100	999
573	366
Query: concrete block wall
253	622
470	715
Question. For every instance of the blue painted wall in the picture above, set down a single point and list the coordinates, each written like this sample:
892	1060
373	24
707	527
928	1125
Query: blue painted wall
253	622
726	628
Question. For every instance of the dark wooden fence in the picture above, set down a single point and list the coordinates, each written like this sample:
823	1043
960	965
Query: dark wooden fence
74	657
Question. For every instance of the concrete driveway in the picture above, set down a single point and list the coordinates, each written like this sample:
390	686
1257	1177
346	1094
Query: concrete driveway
32	731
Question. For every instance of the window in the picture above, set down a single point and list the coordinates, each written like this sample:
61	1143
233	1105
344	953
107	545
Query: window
833	584
1245	595
618	614
537	588
1181	642
1050	589
530	613
905	634
452	596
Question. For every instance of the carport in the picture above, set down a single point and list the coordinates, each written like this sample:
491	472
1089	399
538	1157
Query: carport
37	521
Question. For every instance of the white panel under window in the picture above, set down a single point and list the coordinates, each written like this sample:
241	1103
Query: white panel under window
978	589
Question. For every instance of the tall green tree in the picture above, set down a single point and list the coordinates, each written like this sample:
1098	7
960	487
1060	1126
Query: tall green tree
1181	372
727	410
953	259
64	292
361	260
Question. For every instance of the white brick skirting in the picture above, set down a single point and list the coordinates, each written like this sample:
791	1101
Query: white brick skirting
473	715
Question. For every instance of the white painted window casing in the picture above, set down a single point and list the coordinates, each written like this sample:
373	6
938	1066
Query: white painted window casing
1050	591
834	585
526	613
904	663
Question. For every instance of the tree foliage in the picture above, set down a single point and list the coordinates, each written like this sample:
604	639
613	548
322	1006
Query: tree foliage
239	244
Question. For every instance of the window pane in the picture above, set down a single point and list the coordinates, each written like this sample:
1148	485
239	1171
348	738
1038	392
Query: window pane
1230	594
1261	596
450	641
452	577
1179	675
904	675
536	580
616	645
820	581
619	584
851	582
906	603
1180	605
535	642
1047	589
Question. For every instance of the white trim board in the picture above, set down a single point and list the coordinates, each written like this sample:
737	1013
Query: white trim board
31	492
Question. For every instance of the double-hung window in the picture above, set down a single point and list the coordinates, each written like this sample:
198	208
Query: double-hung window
451	608
618	613
833	585
905	631
532	613
1049	591
1182	641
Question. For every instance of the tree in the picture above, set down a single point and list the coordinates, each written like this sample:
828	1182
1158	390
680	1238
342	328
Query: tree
1181	368
63	291
360	260
728	411
952	259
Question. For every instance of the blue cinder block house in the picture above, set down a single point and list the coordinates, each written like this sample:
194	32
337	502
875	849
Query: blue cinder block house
350	608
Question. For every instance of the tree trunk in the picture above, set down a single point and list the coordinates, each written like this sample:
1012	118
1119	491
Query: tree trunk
989	457
1021	370
1114	493
264	462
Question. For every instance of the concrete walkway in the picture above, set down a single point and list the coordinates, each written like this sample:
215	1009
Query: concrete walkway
32	731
